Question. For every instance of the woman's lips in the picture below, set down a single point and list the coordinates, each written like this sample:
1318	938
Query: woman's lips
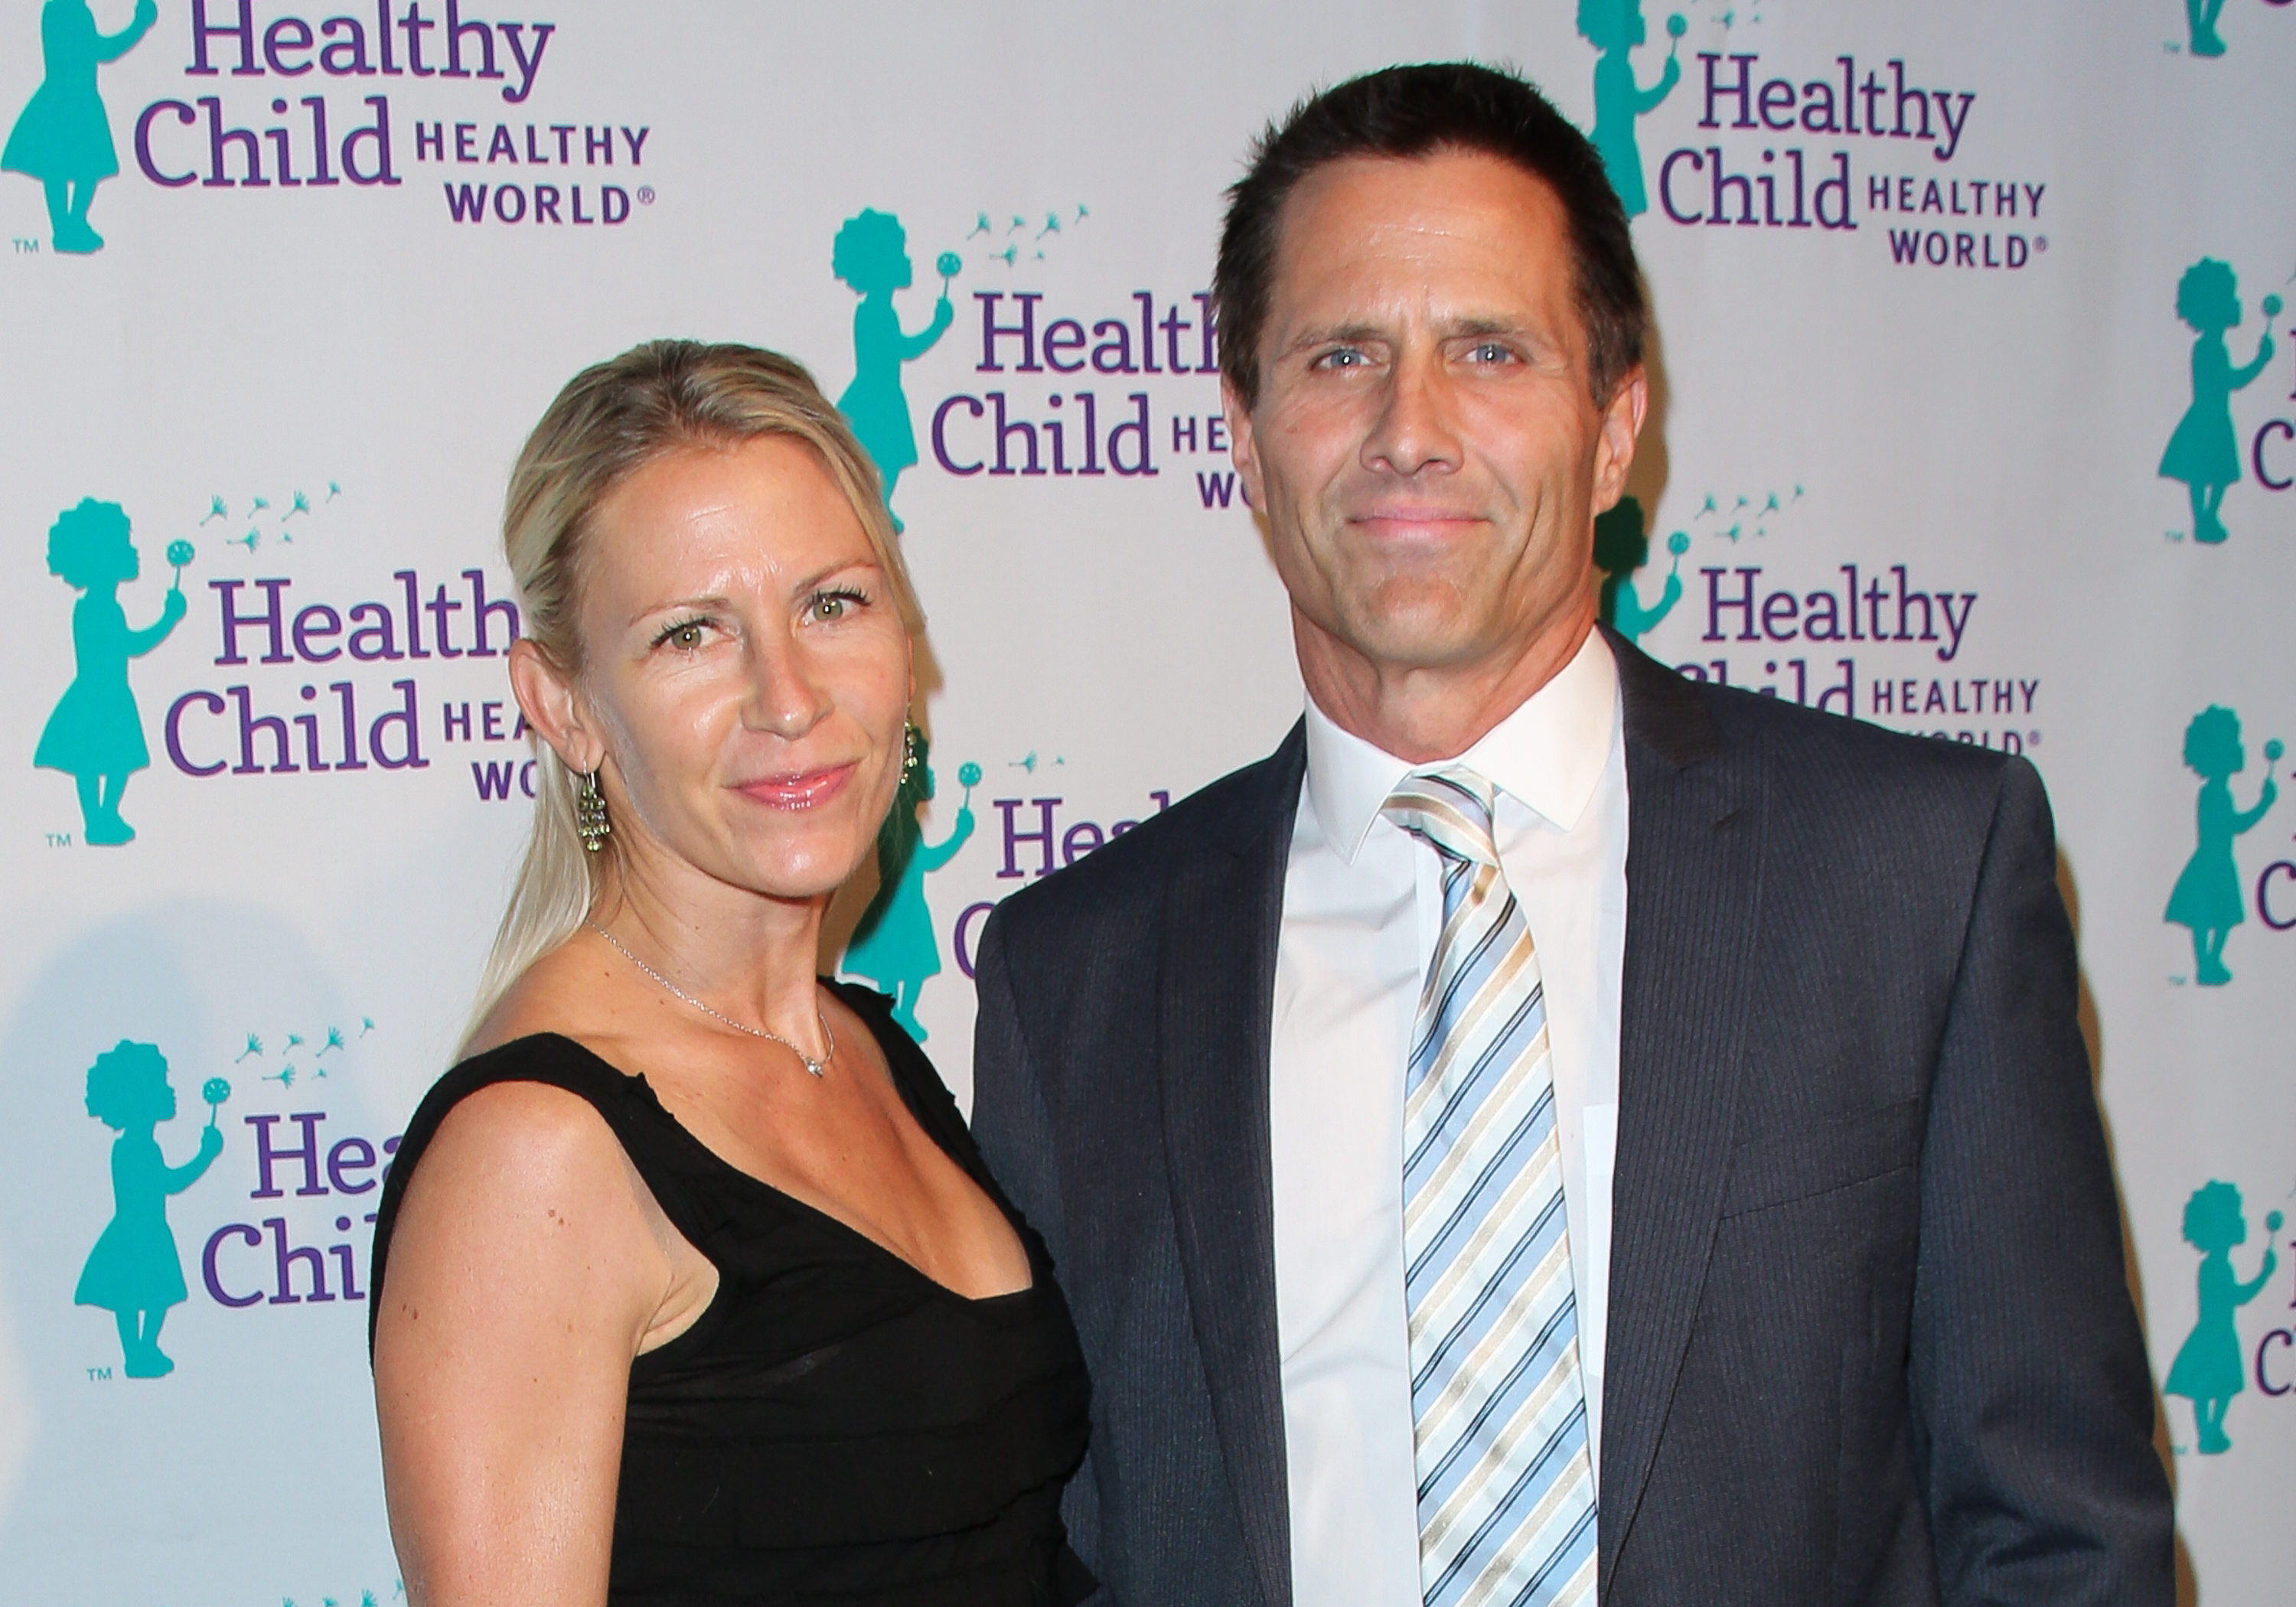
801	790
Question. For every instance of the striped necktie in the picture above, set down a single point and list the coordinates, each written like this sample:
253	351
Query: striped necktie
1506	1492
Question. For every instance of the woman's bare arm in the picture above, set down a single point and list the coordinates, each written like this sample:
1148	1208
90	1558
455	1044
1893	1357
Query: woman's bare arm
523	1277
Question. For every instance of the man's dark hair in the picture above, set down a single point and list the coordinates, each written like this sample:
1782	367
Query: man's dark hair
1405	112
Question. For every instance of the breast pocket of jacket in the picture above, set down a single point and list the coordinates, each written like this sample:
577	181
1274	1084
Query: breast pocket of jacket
1782	1169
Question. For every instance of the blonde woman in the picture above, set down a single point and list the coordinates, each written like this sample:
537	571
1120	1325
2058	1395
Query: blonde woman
690	1285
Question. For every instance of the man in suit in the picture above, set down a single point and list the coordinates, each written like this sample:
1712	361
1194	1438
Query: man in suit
1552	1125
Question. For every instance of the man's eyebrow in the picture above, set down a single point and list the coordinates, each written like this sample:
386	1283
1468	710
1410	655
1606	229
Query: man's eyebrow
1336	335
1473	327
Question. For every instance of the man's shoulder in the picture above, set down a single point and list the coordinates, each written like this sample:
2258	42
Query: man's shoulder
1118	882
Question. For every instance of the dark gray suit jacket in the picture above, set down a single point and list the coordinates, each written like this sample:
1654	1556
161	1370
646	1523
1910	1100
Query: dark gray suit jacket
1869	1338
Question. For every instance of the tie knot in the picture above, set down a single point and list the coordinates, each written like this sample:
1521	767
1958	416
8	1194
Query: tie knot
1450	810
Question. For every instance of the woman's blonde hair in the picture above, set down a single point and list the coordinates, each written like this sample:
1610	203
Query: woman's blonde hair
612	420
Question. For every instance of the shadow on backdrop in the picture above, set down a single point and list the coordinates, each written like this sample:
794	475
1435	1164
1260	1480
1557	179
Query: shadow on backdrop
2092	1031
156	1001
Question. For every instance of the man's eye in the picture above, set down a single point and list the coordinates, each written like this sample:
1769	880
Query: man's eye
1490	351
1345	357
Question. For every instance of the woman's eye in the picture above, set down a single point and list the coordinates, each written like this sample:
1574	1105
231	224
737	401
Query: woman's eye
686	635
833	605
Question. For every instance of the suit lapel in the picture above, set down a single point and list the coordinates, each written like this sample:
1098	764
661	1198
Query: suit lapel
1222	914
1696	816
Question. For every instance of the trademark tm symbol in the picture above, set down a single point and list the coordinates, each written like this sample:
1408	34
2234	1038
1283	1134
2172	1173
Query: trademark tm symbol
60	840
645	195
99	1375
26	248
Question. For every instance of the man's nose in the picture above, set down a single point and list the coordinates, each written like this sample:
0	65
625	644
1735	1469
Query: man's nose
1417	426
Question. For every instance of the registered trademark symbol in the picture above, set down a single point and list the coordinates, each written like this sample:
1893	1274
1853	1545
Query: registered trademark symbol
645	195
2032	738
2040	242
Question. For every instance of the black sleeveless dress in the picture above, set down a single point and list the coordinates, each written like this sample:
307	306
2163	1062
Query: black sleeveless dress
836	1427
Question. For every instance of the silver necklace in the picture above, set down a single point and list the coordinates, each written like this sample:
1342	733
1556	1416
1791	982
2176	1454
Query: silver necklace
815	1066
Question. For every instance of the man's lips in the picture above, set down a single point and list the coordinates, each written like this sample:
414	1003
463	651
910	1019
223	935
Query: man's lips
1405	523
798	790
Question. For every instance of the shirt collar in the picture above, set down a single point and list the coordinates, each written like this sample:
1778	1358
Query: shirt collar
1548	755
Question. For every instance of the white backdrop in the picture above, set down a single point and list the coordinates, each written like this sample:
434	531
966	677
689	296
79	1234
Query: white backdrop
1912	428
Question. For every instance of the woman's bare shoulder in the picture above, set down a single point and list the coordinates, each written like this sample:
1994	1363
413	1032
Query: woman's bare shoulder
569	991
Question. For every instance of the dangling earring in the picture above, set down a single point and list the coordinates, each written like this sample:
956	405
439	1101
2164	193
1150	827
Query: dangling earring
590	821
908	750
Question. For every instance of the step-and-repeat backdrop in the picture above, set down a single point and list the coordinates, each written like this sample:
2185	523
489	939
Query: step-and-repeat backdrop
1973	419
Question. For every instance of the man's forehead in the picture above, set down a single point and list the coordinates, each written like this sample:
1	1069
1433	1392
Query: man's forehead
1461	239
1401	191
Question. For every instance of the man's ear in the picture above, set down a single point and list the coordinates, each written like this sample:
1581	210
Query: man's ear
553	705
1614	446
1242	447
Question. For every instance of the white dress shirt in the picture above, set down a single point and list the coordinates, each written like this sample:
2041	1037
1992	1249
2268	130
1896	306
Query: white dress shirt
1363	904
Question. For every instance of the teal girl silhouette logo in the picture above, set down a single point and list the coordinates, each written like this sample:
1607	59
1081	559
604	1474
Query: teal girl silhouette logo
871	255
2209	1370
2207	896
2204	451
96	735
893	946
1615	27
134	1271
63	137
1620	548
2201	21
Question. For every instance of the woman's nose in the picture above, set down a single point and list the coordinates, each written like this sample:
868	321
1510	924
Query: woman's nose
787	696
